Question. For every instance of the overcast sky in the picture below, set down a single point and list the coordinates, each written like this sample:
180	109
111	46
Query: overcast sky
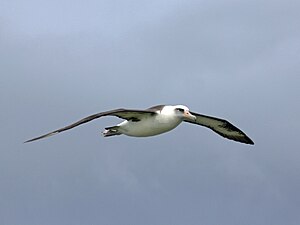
63	60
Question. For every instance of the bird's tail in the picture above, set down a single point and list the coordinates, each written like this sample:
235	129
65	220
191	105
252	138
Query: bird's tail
111	131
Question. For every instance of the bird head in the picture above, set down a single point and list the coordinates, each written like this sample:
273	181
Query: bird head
184	112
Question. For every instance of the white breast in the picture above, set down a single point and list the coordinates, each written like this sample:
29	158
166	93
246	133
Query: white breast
150	126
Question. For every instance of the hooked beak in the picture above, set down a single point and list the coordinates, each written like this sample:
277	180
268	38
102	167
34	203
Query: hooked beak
190	116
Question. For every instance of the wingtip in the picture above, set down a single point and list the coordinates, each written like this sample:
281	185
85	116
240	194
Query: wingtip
31	140
248	141
41	137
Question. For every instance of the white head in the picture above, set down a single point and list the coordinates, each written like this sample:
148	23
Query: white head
181	111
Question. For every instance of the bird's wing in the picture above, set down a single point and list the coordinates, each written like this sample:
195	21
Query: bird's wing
127	114
222	127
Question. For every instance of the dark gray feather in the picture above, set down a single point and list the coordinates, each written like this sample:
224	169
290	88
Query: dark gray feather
221	127
127	114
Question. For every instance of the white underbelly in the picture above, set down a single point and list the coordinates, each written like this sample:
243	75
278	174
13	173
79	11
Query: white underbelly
148	127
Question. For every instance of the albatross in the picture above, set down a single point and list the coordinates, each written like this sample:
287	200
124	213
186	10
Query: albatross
157	120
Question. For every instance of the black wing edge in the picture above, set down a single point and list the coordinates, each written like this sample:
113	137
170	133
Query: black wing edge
227	125
243	139
115	112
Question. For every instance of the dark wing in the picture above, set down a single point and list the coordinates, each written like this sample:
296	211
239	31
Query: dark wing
222	127
127	114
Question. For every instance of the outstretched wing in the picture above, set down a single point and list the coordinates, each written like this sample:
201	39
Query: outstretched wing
222	127
127	114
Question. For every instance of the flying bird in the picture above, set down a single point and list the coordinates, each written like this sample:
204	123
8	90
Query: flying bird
157	120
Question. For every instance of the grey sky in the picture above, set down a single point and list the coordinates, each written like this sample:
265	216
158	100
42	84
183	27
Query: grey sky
60	61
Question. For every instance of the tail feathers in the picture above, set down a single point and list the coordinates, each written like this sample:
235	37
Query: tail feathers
111	131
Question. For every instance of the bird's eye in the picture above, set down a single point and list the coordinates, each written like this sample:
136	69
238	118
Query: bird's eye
180	109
